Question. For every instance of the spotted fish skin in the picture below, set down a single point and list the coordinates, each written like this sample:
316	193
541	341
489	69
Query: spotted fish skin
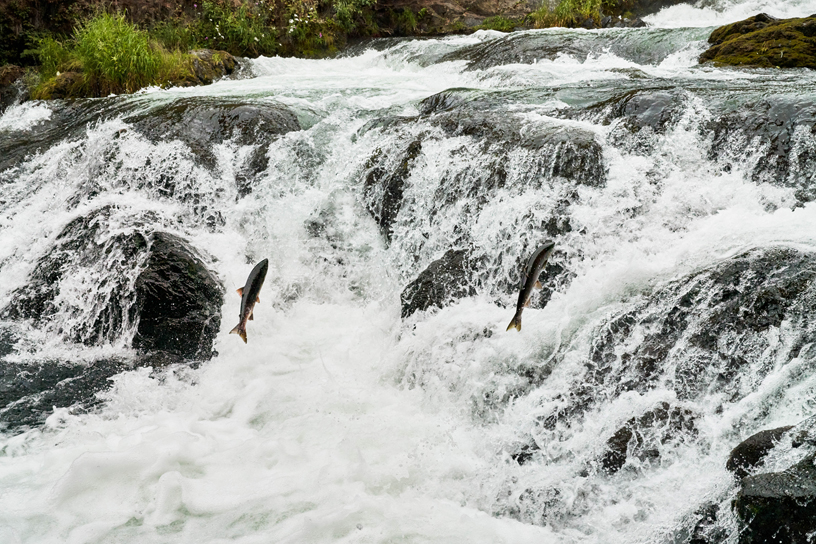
249	297
529	280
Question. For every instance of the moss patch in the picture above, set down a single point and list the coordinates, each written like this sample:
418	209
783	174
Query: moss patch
764	41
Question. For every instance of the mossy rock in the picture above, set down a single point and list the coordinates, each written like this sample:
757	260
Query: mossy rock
764	41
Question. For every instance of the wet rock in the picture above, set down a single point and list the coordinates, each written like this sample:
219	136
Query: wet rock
445	279
656	110
707	530
589	23
178	301
565	151
778	506
12	90
752	451
641	437
384	184
202	123
448	100
209	65
779	130
106	309
764	41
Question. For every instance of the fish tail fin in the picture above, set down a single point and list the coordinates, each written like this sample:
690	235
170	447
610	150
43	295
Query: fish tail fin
240	331
515	323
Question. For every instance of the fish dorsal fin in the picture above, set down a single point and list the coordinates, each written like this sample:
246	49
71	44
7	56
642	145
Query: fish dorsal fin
538	284
240	291
252	316
257	300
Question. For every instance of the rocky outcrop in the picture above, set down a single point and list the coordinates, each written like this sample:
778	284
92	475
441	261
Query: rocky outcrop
713	332
750	452
175	301
764	41
148	286
445	279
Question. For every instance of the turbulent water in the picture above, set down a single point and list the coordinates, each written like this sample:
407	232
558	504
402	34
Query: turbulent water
341	421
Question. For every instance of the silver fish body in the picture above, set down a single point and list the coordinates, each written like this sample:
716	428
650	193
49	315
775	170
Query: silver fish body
529	280
249	297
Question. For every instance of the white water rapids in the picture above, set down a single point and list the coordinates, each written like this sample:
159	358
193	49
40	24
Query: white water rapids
339	421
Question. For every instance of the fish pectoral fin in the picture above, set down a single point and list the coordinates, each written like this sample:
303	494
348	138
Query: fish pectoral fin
538	285
240	291
252	316
257	300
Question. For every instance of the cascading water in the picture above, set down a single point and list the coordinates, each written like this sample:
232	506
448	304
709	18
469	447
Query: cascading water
674	320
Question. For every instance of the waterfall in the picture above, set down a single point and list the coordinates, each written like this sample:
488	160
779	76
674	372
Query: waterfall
396	191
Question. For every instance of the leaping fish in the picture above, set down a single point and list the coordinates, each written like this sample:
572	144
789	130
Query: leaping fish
529	280
249	297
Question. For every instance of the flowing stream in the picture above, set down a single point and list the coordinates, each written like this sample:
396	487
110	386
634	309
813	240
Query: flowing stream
340	420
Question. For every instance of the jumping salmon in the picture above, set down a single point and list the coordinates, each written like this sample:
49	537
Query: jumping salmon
249	297
529	280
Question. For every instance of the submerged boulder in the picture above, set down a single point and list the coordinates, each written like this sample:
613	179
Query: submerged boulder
30	391
445	279
764	41
704	332
100	285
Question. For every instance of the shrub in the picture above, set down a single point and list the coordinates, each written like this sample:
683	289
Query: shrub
347	12
115	51
175	36
245	31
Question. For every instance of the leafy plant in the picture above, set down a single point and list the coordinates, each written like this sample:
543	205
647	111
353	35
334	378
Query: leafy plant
51	54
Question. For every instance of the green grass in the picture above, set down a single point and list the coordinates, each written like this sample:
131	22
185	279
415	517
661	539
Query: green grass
115	51
569	13
502	24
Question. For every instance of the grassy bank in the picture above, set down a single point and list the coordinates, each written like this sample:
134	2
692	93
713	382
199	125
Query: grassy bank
107	53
